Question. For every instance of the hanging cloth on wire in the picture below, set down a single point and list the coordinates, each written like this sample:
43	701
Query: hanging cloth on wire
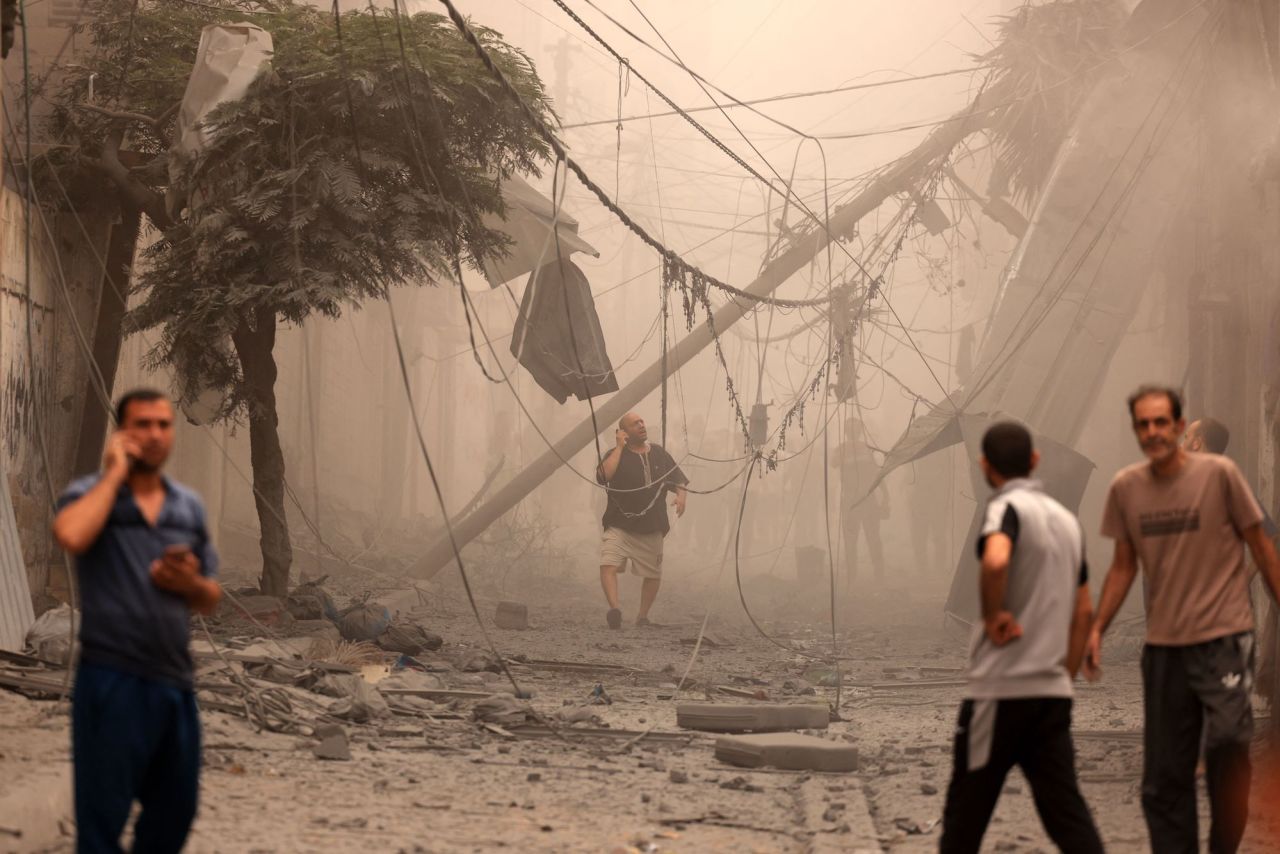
557	335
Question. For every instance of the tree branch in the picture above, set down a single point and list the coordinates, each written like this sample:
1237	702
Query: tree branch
156	124
135	192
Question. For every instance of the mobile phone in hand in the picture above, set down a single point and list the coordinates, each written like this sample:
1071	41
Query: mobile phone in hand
177	550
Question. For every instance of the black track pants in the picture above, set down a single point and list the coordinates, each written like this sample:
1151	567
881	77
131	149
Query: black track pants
992	736
1187	690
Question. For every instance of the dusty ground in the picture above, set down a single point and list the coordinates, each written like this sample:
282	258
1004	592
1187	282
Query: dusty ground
449	785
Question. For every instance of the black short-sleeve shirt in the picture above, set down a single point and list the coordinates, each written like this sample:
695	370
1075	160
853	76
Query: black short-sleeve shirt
632	507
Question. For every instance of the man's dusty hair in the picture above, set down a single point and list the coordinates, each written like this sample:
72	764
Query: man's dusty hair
1175	398
140	395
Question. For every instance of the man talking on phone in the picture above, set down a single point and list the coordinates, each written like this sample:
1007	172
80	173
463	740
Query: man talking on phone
638	474
144	563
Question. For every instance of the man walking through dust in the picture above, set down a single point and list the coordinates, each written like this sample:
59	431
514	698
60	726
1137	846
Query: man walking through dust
144	562
638	474
1185	517
1035	612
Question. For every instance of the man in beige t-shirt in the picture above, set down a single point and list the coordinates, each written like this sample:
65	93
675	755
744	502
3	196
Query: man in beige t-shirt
1185	518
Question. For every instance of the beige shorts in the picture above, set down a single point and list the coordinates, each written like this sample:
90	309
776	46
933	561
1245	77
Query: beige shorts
642	551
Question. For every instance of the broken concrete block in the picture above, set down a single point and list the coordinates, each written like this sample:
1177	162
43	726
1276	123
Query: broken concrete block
751	717
333	743
787	750
413	680
512	615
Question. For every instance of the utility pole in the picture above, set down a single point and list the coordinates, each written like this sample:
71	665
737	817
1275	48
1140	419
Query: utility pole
906	175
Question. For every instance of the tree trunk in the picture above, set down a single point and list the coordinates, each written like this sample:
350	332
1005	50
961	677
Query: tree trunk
106	338
254	345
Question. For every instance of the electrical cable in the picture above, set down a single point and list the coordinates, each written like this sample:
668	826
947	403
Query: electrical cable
970	114
403	364
771	99
542	130
674	263
417	425
1002	357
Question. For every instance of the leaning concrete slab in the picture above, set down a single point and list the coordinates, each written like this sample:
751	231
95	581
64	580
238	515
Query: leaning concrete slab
752	717
787	750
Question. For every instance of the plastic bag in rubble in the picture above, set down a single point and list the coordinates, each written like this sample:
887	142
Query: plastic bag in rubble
409	639
364	622
50	635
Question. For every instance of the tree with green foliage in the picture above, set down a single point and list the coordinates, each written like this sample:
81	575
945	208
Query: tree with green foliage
362	160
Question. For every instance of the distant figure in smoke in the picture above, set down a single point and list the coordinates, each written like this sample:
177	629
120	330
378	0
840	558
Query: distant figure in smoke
1017	709
717	513
930	505
858	470
639	474
145	563
1186	517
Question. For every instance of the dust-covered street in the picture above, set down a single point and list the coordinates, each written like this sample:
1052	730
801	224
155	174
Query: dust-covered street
623	777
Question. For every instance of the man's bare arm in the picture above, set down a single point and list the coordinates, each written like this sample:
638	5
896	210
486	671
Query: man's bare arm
1264	555
1081	621
995	573
78	525
1000	625
1124	566
609	465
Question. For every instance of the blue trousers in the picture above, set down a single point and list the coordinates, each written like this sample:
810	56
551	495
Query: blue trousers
133	739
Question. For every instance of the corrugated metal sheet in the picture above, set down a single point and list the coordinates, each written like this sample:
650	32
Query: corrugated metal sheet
16	614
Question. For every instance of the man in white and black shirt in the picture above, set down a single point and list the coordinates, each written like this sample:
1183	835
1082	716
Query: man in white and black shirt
1036	614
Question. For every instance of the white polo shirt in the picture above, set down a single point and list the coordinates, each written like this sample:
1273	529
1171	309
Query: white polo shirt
1046	570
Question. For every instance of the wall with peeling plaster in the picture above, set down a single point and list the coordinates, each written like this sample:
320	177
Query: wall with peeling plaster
43	369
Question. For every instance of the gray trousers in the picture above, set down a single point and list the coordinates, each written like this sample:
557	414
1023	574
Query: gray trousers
1188	690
